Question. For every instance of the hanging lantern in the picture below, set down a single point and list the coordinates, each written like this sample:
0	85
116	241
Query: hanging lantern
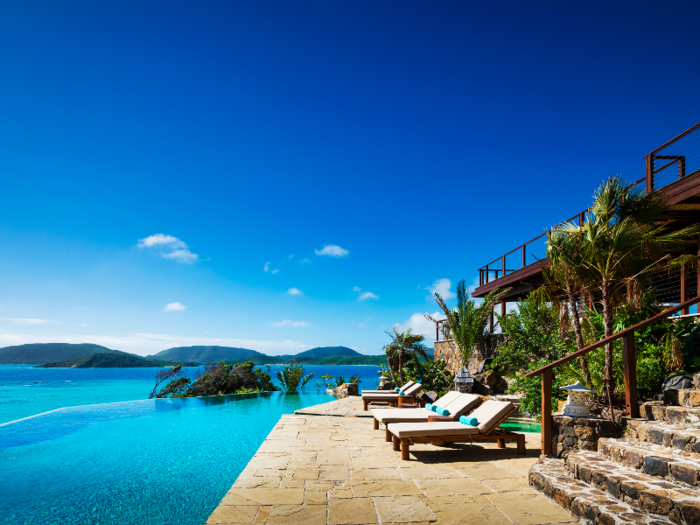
464	381
575	405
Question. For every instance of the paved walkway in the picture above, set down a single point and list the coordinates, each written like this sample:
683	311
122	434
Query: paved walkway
324	470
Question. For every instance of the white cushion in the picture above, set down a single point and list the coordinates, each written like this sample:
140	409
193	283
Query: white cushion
437	428
463	404
490	413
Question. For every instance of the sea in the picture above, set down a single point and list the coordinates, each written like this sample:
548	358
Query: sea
27	391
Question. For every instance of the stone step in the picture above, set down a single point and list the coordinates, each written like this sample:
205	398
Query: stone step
590	505
657	411
648	493
682	397
677	436
654	460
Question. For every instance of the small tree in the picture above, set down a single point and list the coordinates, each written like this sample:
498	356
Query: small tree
403	346
292	378
469	322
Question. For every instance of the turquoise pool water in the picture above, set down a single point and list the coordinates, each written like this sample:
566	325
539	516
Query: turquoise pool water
25	390
148	462
521	426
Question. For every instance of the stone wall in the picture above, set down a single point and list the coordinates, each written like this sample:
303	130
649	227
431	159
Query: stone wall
578	433
485	352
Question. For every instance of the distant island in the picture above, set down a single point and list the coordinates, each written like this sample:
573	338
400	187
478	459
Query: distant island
113	360
66	355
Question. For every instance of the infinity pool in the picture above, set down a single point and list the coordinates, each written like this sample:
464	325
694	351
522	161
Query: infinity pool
159	462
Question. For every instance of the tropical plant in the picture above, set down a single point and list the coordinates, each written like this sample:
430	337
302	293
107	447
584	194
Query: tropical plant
564	252
469	322
433	375
533	336
622	238
215	379
292	378
404	345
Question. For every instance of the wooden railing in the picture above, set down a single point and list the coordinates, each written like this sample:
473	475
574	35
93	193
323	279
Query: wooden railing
497	269
629	365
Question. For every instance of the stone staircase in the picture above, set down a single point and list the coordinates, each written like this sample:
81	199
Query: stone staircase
651	476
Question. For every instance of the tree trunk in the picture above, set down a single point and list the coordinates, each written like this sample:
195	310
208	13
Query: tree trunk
391	369
401	360
579	335
608	322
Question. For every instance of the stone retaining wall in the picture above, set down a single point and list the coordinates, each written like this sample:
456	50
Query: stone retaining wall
444	350
578	433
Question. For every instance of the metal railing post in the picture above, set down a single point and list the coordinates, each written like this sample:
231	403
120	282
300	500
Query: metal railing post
525	258
650	172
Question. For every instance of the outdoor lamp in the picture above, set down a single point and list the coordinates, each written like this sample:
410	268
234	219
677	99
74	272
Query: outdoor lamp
464	381
576	402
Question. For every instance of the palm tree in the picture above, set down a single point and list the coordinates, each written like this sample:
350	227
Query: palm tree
403	346
621	238
469	322
564	252
292	378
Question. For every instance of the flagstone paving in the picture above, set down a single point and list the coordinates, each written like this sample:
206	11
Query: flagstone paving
339	471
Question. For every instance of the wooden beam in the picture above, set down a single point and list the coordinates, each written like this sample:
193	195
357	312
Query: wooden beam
630	370
547	412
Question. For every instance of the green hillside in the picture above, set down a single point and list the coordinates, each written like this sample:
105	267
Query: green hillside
39	353
358	359
204	354
326	351
111	360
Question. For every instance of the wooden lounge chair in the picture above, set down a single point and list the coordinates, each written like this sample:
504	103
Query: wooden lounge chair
458	404
392	391
392	398
490	415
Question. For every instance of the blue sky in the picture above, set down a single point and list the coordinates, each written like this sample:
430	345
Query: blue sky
166	153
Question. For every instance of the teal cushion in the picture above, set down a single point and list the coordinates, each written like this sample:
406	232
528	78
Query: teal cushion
429	406
443	411
396	389
402	393
434	408
471	421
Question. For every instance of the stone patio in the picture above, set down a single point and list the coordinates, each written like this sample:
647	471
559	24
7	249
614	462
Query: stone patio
326	470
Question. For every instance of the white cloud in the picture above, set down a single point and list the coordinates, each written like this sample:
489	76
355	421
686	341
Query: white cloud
174	307
268	268
332	250
356	289
289	322
443	287
418	324
28	320
294	291
183	256
160	239
367	295
80	324
178	248
147	343
305	261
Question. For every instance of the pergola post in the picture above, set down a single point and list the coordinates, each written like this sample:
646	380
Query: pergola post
547	412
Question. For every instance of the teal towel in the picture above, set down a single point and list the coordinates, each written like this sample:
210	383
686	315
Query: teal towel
429	406
443	411
471	421
402	393
433	408
396	389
